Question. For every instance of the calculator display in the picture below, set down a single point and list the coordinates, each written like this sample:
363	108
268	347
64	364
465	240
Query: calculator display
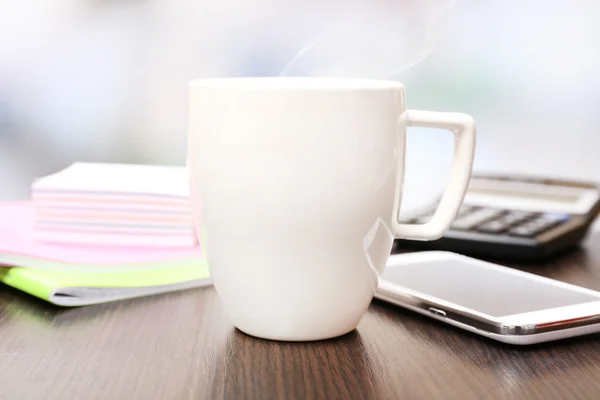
553	197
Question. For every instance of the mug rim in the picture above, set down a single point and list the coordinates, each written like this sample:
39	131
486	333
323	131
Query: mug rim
295	83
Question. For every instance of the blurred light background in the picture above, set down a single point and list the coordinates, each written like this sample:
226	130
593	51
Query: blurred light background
106	80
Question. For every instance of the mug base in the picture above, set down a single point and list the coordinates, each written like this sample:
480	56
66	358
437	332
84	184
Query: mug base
300	337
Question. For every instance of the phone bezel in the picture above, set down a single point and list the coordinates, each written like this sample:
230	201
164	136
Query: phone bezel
530	323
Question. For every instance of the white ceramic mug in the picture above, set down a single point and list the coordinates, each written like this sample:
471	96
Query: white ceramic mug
296	188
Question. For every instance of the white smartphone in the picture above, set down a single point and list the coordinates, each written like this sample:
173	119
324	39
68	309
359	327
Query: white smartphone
488	299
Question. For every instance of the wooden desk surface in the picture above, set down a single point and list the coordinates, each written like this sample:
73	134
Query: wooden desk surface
182	346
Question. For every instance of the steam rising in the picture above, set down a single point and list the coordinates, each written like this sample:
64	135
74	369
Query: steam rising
373	39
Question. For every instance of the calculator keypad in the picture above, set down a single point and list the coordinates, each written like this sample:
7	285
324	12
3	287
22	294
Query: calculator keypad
500	222
496	226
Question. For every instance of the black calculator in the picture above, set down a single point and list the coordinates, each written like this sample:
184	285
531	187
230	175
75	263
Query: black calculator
515	218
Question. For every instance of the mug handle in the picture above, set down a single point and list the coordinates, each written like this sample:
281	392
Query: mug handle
463	127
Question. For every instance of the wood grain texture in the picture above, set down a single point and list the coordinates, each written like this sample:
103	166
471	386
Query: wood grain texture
182	346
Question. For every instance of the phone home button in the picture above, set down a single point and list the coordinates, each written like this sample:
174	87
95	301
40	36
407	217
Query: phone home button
437	312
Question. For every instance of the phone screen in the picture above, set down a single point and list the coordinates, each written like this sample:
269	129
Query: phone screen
486	290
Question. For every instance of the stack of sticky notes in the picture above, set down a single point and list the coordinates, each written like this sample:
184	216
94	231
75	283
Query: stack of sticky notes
81	274
114	205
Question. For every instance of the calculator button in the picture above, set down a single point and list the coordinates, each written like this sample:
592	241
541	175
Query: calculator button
478	217
462	224
509	220
544	224
522	231
515	217
487	213
495	226
556	217
522	214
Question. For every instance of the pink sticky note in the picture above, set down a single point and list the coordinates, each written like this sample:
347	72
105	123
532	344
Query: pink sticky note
17	238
